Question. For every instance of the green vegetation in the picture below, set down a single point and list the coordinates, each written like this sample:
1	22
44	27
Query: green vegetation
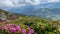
39	25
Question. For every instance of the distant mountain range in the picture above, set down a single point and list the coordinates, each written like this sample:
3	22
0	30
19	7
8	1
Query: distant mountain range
28	8
48	10
49	5
50	13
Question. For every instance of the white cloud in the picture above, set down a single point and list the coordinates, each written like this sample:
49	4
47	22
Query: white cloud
5	3
34	2
53	0
19	3
12	3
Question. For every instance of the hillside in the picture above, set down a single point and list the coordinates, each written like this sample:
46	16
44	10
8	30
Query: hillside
50	13
9	15
5	15
27	24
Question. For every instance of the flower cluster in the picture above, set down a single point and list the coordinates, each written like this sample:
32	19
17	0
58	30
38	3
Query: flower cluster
12	27
15	28
23	31
1	21
31	31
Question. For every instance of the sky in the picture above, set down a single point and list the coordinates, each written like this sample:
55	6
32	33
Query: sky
8	4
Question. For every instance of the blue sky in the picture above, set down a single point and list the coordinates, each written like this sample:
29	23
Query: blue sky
8	4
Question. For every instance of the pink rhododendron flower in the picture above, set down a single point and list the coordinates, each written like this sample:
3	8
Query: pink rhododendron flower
29	28
18	28
31	31
5	27
13	30
8	24
1	20
23	31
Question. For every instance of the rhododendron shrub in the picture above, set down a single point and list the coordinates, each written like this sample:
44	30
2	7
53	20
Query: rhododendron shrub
29	25
11	27
16	29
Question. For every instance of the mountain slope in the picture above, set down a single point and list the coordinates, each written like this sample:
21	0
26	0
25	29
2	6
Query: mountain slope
29	8
49	5
43	10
